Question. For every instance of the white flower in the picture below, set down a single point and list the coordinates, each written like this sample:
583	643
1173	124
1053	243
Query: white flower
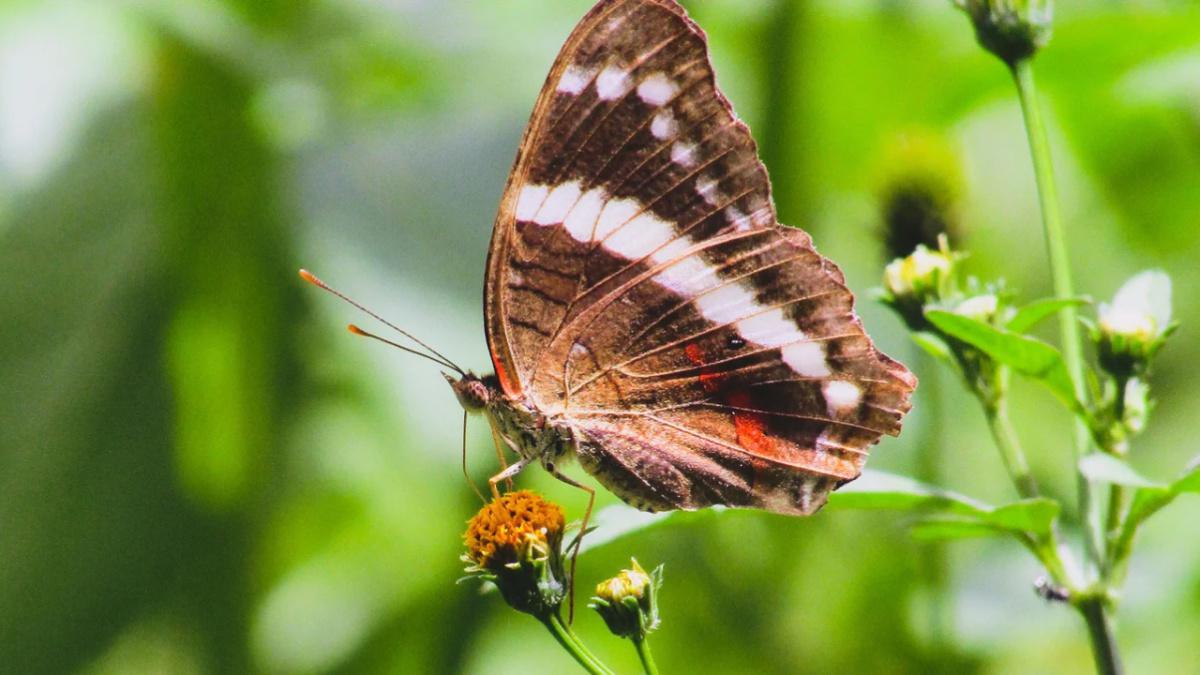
918	274
1141	309
980	307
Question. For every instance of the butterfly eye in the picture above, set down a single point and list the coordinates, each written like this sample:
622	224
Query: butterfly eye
735	342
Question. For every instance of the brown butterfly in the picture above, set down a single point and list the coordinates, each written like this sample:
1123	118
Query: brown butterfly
645	311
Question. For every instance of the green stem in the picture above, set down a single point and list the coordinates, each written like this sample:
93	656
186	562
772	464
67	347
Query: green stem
1095	611
1060	268
1119	500
1104	643
567	638
1010	448
643	651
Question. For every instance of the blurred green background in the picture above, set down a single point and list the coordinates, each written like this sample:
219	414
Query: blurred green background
201	472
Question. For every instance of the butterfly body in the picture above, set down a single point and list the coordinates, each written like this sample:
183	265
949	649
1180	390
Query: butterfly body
646	312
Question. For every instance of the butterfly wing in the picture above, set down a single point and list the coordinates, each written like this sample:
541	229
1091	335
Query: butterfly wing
640	287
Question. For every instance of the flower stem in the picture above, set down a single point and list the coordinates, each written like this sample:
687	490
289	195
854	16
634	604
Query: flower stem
643	651
570	642
1104	643
1010	449
1060	269
1095	611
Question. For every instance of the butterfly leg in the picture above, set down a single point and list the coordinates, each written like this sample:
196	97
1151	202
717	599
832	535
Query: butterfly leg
506	475
587	515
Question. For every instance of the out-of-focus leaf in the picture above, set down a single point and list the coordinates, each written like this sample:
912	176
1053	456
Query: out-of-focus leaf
1148	500
952	515
1029	315
939	529
1099	466
1023	354
619	520
1035	516
882	490
934	346
1027	517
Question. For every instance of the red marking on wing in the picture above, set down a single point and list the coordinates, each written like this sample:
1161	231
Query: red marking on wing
751	426
709	379
506	383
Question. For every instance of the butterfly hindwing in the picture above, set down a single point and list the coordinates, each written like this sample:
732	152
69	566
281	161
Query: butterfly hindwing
640	287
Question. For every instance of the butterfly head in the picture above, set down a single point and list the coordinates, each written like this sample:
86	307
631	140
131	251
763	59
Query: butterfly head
473	392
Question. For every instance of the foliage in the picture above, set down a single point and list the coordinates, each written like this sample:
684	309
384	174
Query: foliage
202	474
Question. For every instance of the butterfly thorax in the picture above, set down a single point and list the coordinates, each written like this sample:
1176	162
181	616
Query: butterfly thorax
529	432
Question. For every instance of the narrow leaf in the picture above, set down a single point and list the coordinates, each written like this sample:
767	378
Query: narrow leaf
1029	315
882	490
1098	466
1148	500
1035	516
933	345
941	529
1023	354
1190	482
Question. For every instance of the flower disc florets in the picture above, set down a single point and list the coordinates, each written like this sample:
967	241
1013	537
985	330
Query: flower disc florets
515	542
502	529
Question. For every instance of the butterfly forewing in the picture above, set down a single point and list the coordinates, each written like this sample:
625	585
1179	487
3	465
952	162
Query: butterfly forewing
640	287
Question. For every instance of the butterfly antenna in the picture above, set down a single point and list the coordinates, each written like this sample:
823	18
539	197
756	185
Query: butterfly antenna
362	333
440	359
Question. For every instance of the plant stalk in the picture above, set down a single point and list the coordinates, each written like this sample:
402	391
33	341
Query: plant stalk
1010	448
643	651
1104	643
1060	270
1095	611
567	638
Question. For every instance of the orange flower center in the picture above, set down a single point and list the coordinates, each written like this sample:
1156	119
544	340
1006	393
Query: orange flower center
498	532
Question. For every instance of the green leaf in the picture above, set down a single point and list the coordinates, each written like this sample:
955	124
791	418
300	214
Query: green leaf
1029	315
1023	354
1190	482
943	529
934	345
882	490
1148	500
1035	516
1099	466
617	521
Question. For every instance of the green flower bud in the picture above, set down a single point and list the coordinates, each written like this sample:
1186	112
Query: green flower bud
1014	30
628	603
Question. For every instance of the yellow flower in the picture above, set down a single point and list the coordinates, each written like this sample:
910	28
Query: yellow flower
515	524
919	275
627	602
628	584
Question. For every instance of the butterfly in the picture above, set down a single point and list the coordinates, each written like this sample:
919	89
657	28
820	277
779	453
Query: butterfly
645	312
